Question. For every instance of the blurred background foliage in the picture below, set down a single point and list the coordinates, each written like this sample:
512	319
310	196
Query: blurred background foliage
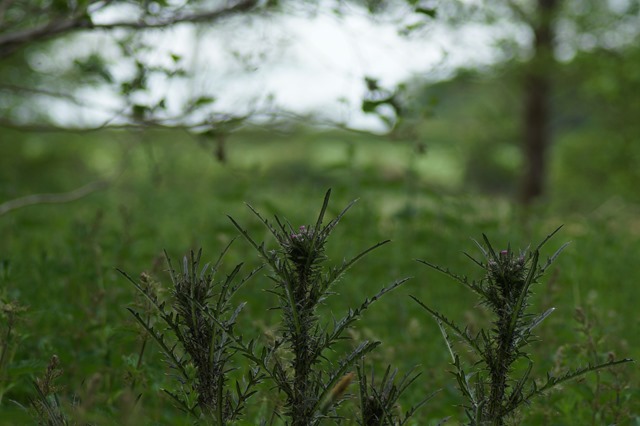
449	166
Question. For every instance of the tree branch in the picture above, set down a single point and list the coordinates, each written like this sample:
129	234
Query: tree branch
172	123
4	5
42	92
12	41
63	197
520	13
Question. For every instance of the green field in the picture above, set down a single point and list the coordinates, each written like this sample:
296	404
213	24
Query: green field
167	191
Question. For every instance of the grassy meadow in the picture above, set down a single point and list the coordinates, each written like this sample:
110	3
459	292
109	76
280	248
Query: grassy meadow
167	191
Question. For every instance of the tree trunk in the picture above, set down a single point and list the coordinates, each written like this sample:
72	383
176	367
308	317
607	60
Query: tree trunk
537	115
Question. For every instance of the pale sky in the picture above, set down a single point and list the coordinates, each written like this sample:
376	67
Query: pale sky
305	64
318	65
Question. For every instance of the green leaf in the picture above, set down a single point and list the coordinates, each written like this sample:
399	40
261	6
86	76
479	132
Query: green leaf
429	11
94	65
370	106
138	111
203	100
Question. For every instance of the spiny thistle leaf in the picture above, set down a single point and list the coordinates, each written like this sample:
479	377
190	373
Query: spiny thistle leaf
176	362
547	238
447	341
464	335
182	404
338	271
353	315
524	293
553	257
572	375
461	279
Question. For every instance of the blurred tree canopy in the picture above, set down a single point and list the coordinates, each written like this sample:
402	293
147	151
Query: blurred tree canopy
45	54
52	51
549	52
552	55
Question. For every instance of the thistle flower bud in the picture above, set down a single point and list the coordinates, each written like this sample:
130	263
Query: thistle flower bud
54	362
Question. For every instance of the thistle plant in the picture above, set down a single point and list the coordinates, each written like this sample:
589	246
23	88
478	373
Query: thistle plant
492	391
379	401
10	314
146	310
297	360
609	395
46	404
200	321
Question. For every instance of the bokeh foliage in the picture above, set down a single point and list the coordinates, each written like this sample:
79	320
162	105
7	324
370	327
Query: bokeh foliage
61	258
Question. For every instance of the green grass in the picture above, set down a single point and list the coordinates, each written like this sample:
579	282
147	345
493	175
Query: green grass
169	192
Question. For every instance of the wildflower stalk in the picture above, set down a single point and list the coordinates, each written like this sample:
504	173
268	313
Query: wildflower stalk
10	313
311	383
201	349
46	404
